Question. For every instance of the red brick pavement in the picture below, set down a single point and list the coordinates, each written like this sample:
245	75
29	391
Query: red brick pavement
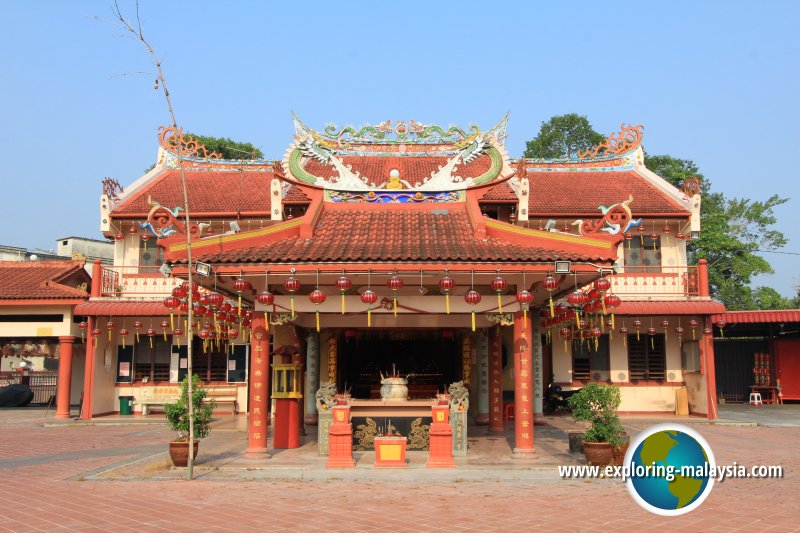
44	486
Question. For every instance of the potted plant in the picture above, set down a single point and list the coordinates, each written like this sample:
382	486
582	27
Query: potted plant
597	405
178	417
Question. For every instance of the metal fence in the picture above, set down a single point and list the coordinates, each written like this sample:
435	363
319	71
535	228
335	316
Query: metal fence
43	384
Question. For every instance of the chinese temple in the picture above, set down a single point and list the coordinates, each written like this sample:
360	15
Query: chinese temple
400	261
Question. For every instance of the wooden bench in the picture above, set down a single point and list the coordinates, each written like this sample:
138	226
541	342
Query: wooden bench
155	397
224	395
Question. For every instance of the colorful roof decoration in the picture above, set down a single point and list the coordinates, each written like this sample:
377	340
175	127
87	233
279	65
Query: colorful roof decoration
45	280
404	155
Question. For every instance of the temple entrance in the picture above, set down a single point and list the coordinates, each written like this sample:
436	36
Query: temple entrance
429	359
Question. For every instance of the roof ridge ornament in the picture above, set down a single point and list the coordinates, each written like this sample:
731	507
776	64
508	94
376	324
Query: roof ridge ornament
175	141
627	139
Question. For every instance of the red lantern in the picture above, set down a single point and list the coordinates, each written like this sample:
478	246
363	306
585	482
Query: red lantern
550	283
185	287
177	332
241	286
593	294
525	297
369	297
637	324
164	326
137	326
200	309
122	334
291	284
177	292
395	283
651	331
665	325
225	307
151	333
83	325
119	236
109	325
215	299
343	284
265	298
720	325
172	303
317	297
472	297
679	235
499	285
602	284
577	299
446	285
185	306
667	229
693	324
612	301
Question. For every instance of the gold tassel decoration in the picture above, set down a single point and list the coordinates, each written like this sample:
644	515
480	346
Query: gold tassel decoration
473	319
177	336
369	317
447	301
239	312
394	304
652	343
625	340
637	334
524	316
165	335
578	319
171	320
552	308
123	342
151	341
317	313
342	302
603	301
499	303
612	320
291	298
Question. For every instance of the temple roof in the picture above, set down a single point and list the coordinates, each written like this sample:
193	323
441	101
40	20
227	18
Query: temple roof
395	233
45	280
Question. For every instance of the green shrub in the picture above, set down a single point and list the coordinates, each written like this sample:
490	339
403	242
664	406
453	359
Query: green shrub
178	413
597	404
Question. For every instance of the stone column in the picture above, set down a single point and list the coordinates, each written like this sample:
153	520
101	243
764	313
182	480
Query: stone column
709	367
523	387
482	379
64	376
257	424
312	376
495	380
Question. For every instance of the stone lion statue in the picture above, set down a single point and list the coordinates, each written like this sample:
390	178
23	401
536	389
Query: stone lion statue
325	394
459	397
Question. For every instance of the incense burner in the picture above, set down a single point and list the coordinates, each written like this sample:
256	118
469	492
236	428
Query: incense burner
394	389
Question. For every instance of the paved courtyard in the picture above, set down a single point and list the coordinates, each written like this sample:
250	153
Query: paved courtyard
115	476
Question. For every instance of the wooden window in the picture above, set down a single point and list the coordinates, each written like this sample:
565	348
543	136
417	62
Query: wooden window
152	364
643	254
646	358
589	364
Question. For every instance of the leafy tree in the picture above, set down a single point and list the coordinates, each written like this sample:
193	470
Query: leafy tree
733	231
227	148
563	136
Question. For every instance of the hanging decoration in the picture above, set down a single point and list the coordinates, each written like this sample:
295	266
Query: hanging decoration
151	333
601	286
651	331
720	325
665	325
472	297
292	284
176	333
395	283
369	297
679	332
96	333
499	285
693	324
577	300
446	285
164	326
637	324
83	326
241	286
550	283
122	334
172	303
317	297
624	332
109	325
343	284
137	326
132	232
612	301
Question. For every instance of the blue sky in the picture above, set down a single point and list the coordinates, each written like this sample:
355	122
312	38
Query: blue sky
715	82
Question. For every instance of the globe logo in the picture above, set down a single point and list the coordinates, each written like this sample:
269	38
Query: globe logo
670	469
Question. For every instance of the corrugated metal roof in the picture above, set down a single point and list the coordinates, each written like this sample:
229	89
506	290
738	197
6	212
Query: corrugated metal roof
670	308
121	309
773	316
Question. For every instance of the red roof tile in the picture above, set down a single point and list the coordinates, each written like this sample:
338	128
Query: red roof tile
500	193
209	192
121	309
46	280
670	308
404	234
412	169
580	193
296	195
768	316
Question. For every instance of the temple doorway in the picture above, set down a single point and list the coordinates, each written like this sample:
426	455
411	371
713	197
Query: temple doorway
430	359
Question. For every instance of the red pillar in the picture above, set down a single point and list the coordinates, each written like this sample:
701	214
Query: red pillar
702	278
495	380
711	373
91	342
258	421
88	371
64	376
523	386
